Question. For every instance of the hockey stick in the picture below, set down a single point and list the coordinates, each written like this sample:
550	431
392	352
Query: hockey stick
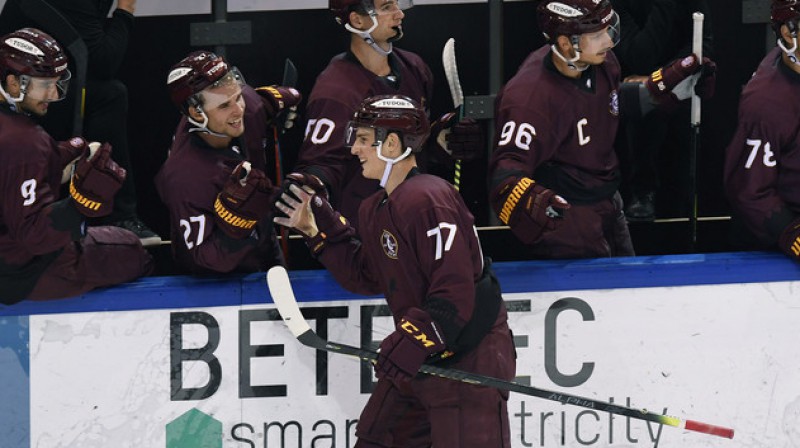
451	73
283	296
278	128
697	49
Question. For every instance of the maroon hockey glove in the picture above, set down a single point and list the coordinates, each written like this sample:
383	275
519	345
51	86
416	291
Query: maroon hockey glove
331	225
528	208
243	202
96	180
404	351
670	85
707	83
70	150
305	180
462	140
281	103
789	241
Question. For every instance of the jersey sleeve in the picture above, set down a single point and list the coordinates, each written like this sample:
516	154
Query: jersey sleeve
323	152
347	261
522	141
31	211
752	163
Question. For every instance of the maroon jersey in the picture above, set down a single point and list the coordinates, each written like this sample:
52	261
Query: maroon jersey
762	162
336	95
188	183
35	225
417	243
557	131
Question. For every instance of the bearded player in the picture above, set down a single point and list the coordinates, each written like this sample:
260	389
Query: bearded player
46	250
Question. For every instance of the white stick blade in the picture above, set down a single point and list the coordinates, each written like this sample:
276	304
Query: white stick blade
280	288
451	72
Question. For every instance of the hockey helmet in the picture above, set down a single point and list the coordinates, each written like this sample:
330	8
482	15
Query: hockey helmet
575	17
785	12
392	113
196	72
30	54
341	9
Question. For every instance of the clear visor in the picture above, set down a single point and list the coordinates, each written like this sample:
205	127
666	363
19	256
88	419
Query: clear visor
385	7
226	90
45	89
355	134
601	37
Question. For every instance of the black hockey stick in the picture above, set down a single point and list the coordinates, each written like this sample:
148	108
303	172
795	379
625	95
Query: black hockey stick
278	128
283	296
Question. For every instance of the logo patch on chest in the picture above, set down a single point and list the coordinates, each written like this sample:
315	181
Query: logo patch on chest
389	244
613	105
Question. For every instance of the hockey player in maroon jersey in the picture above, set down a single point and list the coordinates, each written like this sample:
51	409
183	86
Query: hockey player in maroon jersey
371	66
762	161
46	250
554	173
417	245
215	181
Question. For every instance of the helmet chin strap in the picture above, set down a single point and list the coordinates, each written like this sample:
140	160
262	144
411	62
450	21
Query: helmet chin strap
203	127
367	36
389	162
791	53
571	63
13	103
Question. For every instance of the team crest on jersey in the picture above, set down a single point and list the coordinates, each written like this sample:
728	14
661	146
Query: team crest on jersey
389	244
613	105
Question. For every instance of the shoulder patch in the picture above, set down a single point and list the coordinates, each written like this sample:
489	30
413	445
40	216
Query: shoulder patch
389	244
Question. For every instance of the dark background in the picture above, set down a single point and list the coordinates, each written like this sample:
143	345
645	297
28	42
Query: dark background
311	37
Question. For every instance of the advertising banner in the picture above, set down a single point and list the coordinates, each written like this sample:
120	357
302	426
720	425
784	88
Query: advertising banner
233	376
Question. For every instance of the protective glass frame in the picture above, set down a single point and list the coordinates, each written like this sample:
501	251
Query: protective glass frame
387	7
208	99
39	88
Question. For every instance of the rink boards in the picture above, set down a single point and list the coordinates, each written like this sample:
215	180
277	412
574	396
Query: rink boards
179	362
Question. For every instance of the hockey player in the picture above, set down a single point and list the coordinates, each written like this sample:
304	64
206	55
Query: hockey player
46	250
371	66
417	245
762	161
214	181
557	120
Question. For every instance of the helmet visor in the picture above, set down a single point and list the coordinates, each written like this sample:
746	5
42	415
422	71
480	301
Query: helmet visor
386	7
360	134
223	91
45	89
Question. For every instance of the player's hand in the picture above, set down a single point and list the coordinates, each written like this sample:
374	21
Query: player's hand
403	352
528	208
245	200
461	140
127	5
280	104
789	241
96	180
294	202
69	152
310	182
670	85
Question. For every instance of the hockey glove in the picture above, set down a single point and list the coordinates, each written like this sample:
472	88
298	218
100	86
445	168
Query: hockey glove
670	85
331	225
309	182
69	152
243	202
461	140
528	208
280	103
96	180
789	241
403	352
